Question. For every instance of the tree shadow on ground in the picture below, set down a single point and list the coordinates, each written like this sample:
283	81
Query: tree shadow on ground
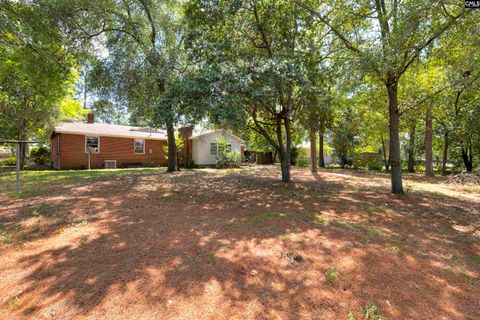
205	245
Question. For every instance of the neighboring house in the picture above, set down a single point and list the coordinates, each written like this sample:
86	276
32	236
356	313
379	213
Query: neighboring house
121	146
330	158
5	153
205	147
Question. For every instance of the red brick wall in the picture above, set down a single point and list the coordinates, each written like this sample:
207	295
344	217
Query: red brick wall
188	152
185	133
73	156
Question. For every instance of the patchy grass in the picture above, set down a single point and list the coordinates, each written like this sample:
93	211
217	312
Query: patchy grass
290	236
265	216
370	312
237	244
358	227
256	220
5	236
319	220
331	275
35	183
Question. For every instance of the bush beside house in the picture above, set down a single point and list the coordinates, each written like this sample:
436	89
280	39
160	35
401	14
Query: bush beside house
40	155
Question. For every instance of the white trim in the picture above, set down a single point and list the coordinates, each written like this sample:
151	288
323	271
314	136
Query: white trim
109	135
134	150
92	136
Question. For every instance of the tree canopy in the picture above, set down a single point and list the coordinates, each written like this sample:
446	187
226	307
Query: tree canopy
397	78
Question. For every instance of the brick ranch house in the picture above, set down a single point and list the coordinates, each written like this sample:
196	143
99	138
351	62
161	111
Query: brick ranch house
121	146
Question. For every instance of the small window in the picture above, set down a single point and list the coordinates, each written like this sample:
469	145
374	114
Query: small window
92	145
213	149
139	146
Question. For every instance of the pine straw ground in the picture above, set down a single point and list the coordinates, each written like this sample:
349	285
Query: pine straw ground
237	244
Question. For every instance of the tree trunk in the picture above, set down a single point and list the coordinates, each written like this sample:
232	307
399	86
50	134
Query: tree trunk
285	170
321	157
284	164
395	163
386	160
445	154
468	159
471	157
282	152
313	150
284	148
411	148
286	158
274	156
428	144
172	148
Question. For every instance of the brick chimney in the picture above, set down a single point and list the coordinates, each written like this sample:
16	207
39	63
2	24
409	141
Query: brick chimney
90	117
185	133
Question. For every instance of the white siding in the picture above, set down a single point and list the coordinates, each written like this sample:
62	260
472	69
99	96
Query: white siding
201	147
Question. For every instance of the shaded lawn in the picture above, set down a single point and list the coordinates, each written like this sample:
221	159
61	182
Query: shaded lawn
41	182
236	244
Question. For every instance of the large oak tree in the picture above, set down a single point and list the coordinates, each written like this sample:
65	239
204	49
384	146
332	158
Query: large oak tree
387	37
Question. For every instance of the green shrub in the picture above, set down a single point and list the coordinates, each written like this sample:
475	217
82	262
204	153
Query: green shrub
303	162
227	159
294	155
374	164
345	162
11	161
40	155
191	164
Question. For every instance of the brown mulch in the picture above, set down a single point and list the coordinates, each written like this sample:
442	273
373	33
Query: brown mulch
240	244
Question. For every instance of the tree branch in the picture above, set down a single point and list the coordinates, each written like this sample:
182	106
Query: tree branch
409	60
153	30
335	30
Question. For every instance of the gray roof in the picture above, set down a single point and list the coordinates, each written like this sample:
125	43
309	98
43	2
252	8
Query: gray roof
223	131
110	130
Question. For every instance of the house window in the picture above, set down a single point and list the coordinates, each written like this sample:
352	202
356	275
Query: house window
92	145
139	146
213	149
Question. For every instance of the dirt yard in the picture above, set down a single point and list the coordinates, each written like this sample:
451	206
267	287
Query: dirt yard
237	244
